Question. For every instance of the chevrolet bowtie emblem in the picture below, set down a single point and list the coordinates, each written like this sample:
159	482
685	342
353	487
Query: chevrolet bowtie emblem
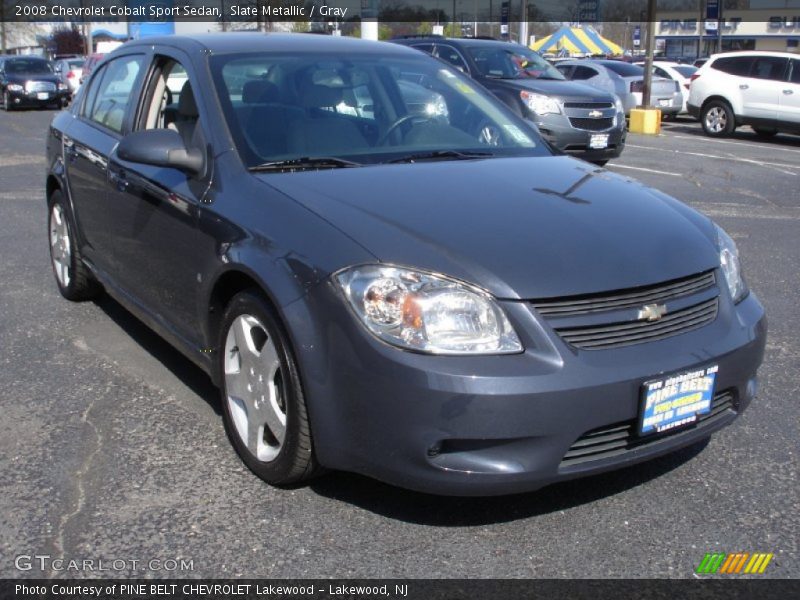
595	114
652	312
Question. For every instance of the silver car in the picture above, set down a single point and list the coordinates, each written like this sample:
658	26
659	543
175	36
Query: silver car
69	71
626	81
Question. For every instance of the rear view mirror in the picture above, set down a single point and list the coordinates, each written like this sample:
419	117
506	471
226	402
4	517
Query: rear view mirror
162	148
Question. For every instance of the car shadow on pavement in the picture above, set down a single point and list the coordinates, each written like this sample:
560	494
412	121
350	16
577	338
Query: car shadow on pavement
181	367
448	511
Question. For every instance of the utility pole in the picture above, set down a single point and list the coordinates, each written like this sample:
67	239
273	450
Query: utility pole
651	44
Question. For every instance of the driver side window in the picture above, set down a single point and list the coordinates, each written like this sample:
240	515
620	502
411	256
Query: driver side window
172	103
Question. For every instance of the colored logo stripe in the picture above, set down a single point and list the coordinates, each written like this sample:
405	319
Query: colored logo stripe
735	563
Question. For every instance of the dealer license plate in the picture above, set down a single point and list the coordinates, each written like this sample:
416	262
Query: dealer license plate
664	102
42	96
598	141
677	400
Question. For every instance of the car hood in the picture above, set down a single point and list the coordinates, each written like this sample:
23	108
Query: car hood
569	91
521	228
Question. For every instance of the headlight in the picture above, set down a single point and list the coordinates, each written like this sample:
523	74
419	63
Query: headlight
14	87
729	262
426	312
62	86
540	104
620	110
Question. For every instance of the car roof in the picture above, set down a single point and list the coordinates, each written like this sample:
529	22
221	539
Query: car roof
247	42
754	53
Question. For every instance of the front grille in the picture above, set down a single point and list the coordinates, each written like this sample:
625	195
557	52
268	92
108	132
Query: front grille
627	333
40	86
632	297
592	124
619	438
588	105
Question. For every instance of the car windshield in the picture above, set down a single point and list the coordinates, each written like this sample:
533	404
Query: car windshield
510	61
28	65
306	110
624	69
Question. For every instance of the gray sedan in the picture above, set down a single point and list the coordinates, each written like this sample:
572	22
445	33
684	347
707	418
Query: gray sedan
626	81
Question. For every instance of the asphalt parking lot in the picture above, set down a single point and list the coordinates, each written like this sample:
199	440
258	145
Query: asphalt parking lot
112	445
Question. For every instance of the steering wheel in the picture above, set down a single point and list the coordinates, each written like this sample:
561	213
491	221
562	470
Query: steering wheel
404	119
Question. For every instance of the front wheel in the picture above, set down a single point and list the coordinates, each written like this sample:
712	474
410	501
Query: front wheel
262	398
718	119
6	101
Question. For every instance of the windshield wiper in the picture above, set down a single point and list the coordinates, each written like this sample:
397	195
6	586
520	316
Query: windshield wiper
440	155
307	162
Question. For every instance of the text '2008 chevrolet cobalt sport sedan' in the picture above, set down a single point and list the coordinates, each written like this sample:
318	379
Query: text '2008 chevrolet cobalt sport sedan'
386	271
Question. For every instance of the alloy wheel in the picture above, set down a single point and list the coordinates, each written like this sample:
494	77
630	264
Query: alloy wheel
716	119
254	387
60	247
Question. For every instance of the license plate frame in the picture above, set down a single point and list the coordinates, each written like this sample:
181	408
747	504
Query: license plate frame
598	141
43	96
664	102
676	401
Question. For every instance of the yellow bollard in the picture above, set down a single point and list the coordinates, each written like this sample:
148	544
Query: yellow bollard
645	120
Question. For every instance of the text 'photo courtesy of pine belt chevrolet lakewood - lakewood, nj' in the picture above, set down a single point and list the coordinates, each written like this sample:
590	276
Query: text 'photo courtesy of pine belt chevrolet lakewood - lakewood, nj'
388	270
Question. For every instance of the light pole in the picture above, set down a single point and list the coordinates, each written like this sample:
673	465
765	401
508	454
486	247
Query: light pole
648	66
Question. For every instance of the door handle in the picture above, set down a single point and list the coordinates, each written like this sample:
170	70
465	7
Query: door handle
119	180
744	86
788	92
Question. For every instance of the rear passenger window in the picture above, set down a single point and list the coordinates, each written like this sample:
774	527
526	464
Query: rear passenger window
583	73
769	67
450	55
734	65
427	48
91	92
114	92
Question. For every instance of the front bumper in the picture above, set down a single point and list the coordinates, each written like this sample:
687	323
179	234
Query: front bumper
499	424
28	99
559	131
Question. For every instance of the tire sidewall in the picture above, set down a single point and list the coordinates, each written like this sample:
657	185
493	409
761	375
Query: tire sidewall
279	469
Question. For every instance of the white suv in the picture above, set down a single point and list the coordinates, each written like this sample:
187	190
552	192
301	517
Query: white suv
760	89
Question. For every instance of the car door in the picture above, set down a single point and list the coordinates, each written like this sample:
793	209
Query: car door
99	125
158	207
762	88
789	108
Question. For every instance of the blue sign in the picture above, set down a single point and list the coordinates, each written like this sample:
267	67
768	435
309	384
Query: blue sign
712	9
637	36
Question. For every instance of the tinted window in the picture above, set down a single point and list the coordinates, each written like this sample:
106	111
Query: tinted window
769	67
624	69
423	47
794	77
91	93
661	72
582	73
733	65
114	92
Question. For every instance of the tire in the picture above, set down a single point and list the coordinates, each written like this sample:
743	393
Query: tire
718	119
74	280
263	404
765	132
7	102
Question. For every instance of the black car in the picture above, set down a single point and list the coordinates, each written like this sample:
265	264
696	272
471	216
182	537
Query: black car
410	286
30	81
575	118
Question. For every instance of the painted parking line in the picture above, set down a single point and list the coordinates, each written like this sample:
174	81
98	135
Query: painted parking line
746	211
750	143
657	172
760	163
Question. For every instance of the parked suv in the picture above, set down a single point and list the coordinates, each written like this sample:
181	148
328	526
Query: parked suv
760	89
575	118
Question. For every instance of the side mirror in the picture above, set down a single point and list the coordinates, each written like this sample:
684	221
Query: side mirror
162	148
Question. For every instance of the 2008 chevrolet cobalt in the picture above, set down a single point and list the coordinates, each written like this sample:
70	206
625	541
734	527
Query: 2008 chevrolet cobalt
386	271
